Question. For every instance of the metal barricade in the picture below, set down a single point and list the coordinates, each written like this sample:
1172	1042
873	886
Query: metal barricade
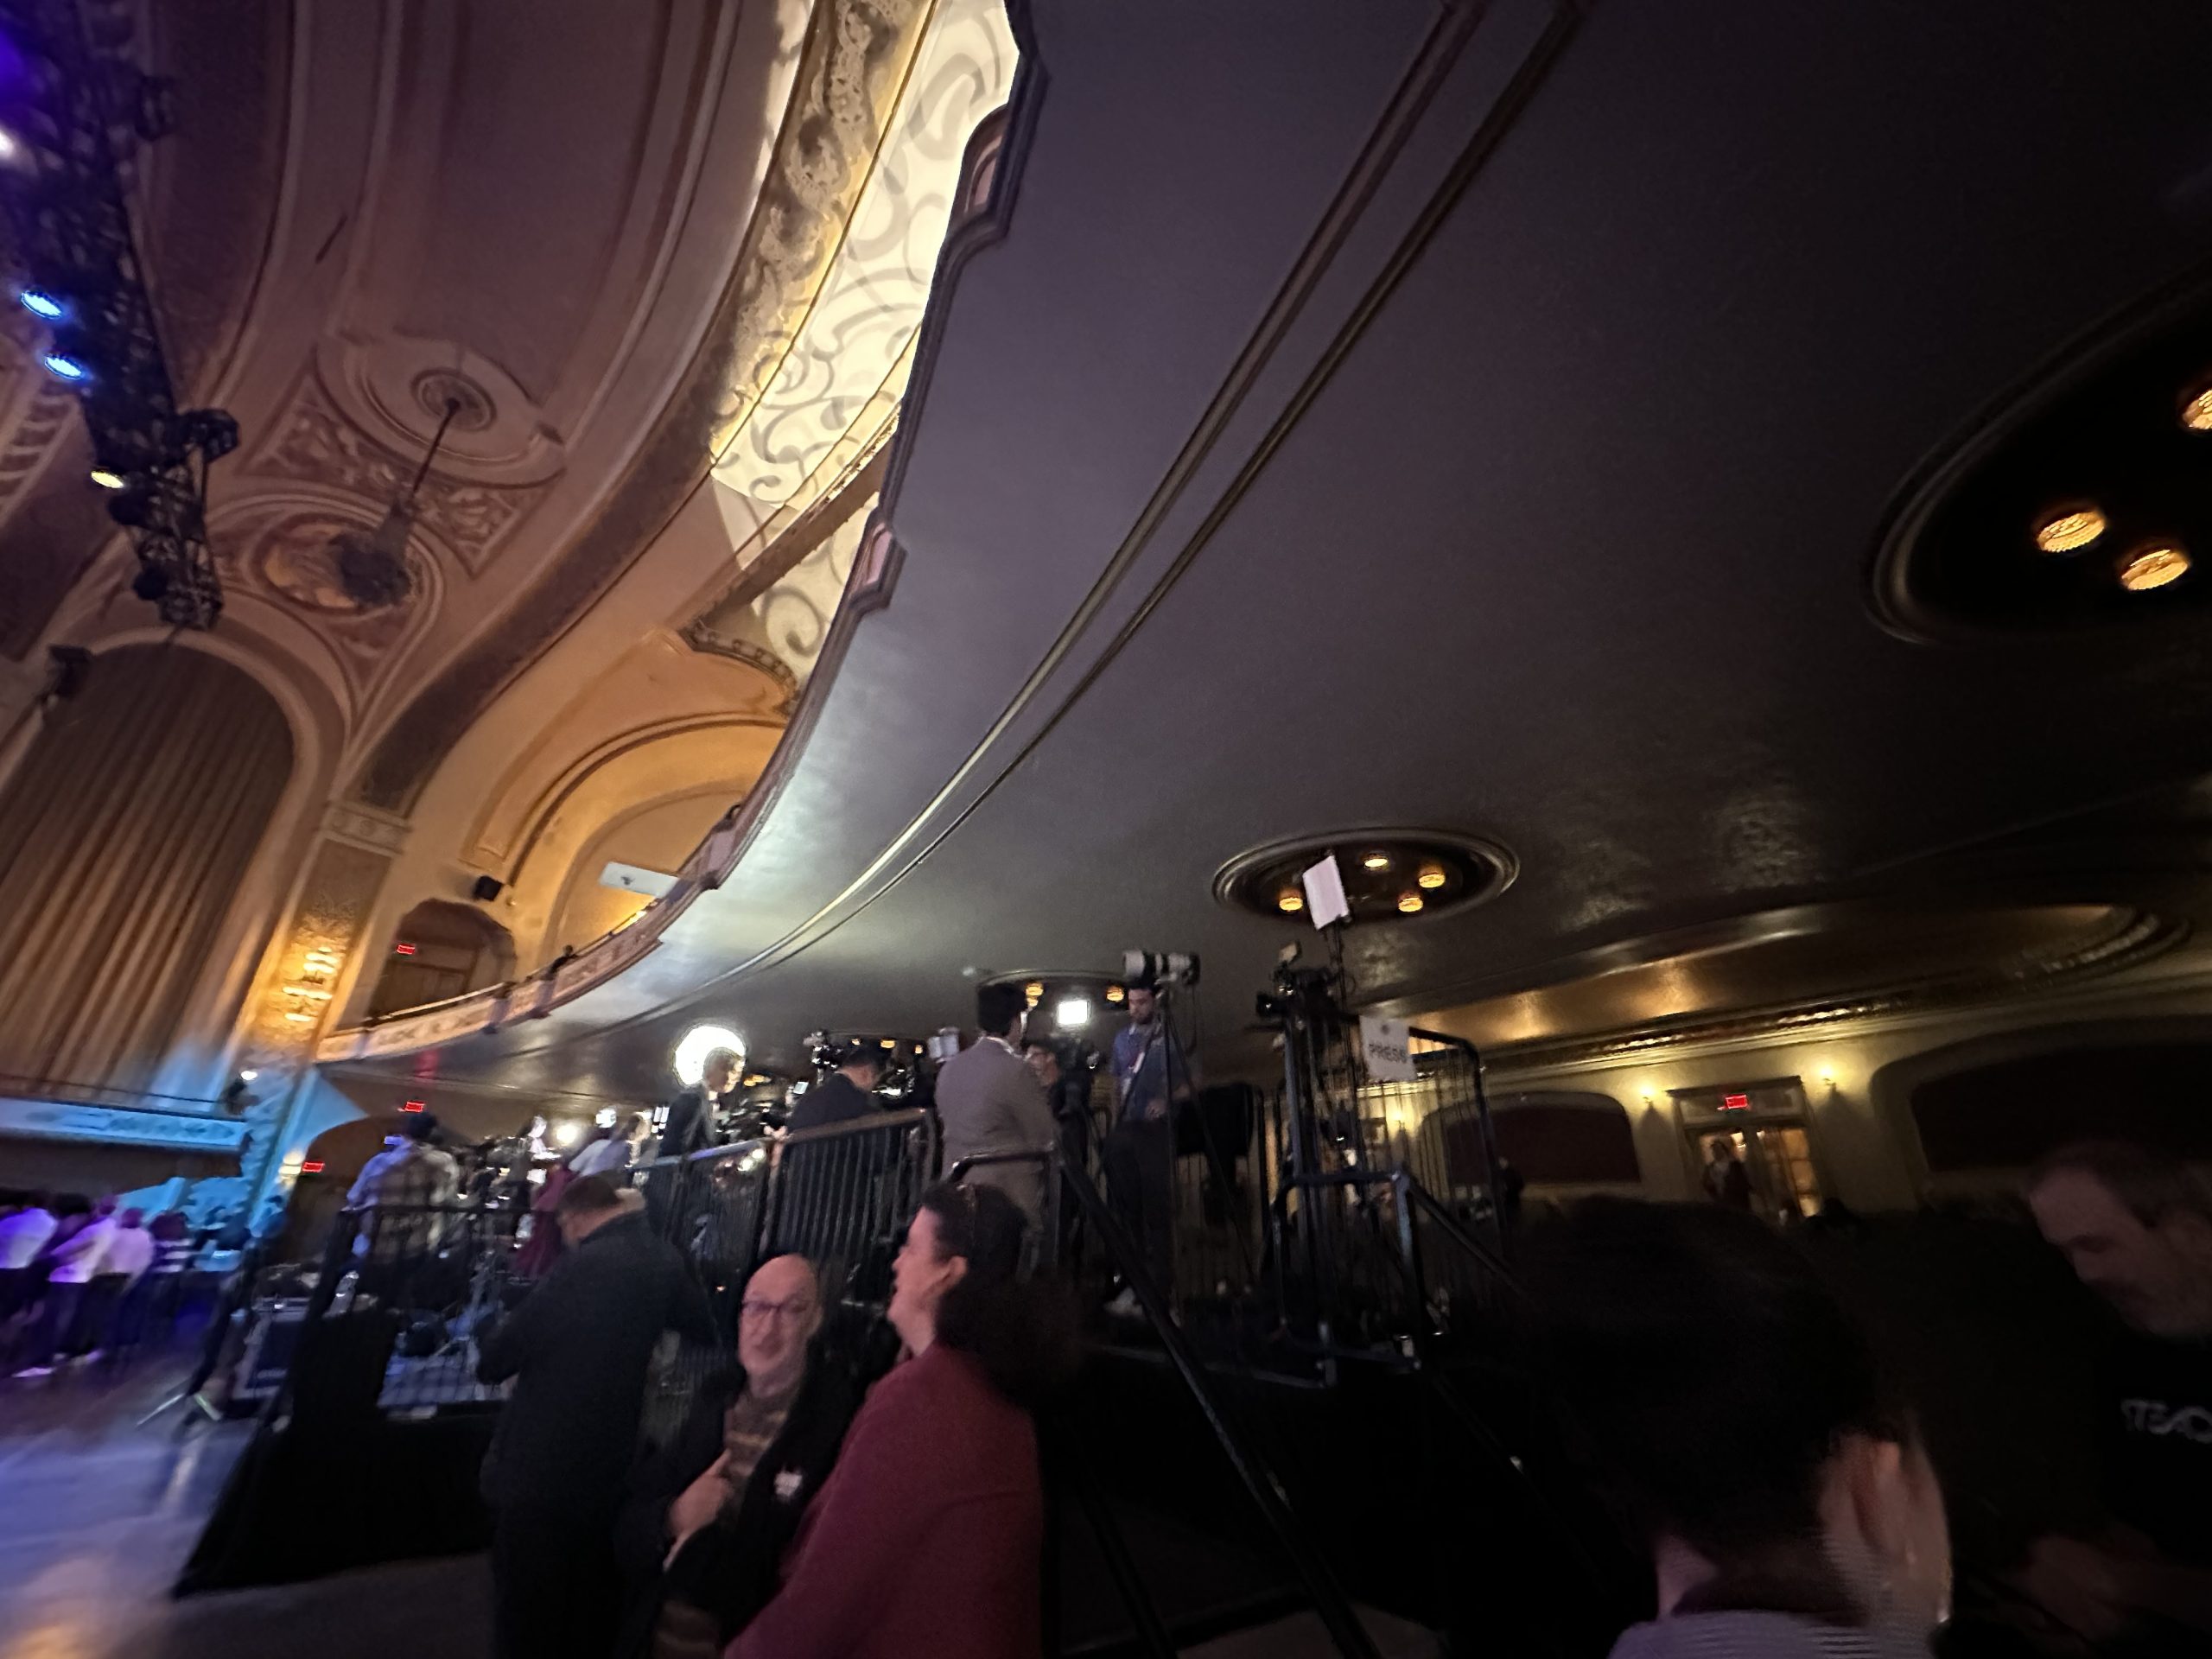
390	1324
841	1195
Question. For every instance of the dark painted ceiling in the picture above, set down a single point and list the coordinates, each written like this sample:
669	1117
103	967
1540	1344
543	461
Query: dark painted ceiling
1506	457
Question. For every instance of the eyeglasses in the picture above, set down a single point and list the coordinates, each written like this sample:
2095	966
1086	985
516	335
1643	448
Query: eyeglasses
797	1308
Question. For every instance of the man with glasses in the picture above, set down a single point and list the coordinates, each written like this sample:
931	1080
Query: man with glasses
711	1515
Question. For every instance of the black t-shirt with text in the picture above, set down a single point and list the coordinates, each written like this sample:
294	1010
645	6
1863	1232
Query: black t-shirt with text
2159	1453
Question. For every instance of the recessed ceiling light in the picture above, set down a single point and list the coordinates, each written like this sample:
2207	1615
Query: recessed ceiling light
1376	860
2153	565
2071	528
1431	876
1114	993
2197	407
1410	902
1290	901
108	479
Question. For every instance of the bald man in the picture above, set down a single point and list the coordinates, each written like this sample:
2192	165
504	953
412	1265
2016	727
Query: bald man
711	1515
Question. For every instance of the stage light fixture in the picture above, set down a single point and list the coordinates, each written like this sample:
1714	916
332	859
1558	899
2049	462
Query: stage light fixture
12	150
567	1132
41	304
108	479
67	365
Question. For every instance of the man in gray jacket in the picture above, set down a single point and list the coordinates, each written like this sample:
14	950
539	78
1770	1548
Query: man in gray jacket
989	1102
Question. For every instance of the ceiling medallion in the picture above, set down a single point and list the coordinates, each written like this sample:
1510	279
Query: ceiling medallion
2078	501
1389	875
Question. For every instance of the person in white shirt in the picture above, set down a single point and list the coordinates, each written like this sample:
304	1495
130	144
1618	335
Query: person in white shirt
24	1230
128	1253
74	1265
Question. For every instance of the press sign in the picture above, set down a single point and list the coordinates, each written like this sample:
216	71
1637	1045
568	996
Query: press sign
1388	1049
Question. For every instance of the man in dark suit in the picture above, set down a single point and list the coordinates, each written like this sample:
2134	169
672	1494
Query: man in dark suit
847	1095
988	1102
691	1113
577	1348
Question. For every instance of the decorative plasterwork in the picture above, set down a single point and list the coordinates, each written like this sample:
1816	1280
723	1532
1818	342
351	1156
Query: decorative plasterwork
802	209
868	301
314	443
851	72
277	547
365	827
999	152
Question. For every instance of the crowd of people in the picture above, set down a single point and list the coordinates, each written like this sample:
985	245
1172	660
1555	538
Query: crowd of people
795	1512
1780	1479
80	1278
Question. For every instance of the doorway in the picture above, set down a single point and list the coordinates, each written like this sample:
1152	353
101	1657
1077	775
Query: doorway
1777	1160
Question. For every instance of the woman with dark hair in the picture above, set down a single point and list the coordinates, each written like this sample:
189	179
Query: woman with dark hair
926	1536
1783	1493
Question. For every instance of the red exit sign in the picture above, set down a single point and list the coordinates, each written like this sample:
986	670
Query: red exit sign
1735	1103
402	948
413	1105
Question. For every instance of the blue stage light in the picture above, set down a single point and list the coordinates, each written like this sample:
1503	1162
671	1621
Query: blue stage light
40	303
63	366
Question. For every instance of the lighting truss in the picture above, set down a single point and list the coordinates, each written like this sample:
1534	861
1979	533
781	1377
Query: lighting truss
67	113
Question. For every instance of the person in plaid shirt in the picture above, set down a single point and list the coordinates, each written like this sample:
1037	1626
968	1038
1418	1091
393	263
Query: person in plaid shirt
414	1175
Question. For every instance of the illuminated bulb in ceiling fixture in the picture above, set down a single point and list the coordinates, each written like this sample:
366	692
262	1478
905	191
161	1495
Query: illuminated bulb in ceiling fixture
1114	993
1431	876
1376	862
2071	528
1409	902
1034	990
2197	407
2153	565
1290	901
108	479
1073	1012
886	1042
566	1132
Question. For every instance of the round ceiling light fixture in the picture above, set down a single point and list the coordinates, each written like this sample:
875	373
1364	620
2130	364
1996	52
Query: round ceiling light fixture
1449	872
690	1057
2153	565
2070	527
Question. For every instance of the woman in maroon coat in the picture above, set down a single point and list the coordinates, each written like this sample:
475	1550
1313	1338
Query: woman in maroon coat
925	1538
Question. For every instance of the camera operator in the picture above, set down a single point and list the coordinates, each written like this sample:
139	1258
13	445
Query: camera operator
847	1093
1151	1077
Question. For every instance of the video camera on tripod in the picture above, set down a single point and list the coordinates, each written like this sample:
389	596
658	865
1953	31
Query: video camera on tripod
1311	996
